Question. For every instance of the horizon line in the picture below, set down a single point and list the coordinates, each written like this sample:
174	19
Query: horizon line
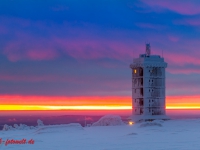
86	107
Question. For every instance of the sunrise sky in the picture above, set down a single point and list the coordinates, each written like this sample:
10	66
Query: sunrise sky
75	55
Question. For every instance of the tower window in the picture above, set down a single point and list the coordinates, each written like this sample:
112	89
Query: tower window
135	71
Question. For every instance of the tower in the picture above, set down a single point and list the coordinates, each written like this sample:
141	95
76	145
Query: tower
148	86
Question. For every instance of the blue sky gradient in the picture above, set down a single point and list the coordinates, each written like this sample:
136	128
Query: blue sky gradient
78	48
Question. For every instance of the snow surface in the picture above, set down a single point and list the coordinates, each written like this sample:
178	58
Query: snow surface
156	135
153	123
109	120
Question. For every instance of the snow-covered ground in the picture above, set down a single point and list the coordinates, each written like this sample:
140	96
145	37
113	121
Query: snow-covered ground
161	135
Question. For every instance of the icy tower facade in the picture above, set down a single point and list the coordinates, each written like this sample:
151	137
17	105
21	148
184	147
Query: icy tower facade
148	86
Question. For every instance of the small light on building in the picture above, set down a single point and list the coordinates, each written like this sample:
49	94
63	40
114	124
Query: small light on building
130	122
135	71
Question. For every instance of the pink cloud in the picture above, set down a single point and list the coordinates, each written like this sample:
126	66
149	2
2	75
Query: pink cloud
38	78
181	59
180	70
47	49
33	78
188	21
41	54
24	46
173	38
95	49
14	54
185	7
184	63
27	47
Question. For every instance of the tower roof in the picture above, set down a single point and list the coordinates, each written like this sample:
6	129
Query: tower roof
148	60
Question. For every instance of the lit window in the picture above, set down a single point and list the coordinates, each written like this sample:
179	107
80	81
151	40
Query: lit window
135	71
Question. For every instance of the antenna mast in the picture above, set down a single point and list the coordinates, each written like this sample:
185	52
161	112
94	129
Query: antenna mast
148	49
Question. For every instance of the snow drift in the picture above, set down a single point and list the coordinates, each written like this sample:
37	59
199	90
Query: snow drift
41	128
109	120
146	124
71	127
17	127
40	122
22	126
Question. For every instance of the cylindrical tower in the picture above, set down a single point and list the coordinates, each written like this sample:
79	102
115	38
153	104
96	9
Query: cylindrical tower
148	87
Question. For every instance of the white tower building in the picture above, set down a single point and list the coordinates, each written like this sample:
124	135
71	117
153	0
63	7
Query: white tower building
148	87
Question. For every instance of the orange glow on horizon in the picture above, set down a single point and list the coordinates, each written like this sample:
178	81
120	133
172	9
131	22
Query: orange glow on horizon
42	107
8	102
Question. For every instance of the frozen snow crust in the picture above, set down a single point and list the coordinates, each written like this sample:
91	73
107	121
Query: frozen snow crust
152	123
109	120
41	128
49	129
171	135
22	126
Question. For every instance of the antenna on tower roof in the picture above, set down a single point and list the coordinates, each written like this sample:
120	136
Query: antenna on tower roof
148	49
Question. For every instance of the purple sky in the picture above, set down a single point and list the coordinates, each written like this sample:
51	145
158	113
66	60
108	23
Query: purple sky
78	48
